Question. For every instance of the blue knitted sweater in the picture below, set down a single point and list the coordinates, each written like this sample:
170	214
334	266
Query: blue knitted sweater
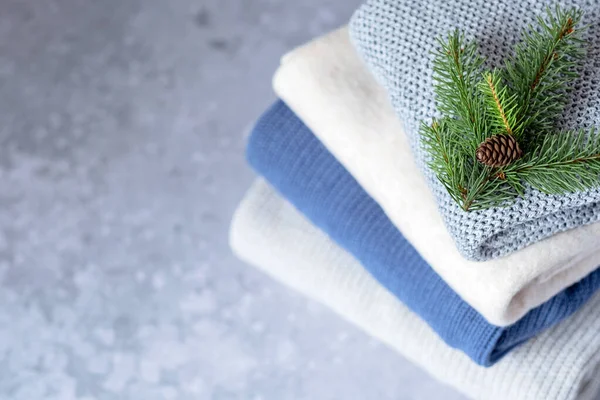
290	157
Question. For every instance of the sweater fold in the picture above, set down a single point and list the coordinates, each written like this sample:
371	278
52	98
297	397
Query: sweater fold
283	150
559	364
329	88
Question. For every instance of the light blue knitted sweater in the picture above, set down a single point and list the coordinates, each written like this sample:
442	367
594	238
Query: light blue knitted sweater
396	39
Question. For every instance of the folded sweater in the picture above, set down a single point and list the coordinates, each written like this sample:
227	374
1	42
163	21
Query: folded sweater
329	88
283	150
560	364
396	39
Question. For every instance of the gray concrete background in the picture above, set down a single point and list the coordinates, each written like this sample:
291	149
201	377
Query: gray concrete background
121	162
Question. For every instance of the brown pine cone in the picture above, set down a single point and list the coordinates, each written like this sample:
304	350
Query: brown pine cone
498	151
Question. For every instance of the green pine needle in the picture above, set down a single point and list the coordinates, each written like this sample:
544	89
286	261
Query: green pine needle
564	162
544	65
524	99
457	68
501	104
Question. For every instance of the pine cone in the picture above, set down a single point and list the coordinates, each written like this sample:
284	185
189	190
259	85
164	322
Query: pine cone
498	151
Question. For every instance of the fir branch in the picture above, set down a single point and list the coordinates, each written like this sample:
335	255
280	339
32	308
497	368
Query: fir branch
444	158
490	190
493	90
469	183
501	105
565	162
457	70
523	100
543	66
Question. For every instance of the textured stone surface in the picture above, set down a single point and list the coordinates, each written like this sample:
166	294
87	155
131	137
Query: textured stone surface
121	161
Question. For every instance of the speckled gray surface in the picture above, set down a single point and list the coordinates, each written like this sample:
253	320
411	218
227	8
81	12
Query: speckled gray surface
121	162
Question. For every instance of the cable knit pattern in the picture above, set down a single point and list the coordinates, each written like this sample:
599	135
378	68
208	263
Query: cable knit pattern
560	364
291	158
396	39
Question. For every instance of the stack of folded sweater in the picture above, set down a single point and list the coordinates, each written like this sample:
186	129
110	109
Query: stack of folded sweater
498	303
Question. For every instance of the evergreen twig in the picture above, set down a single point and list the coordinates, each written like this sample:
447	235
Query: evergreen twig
501	105
524	100
563	162
543	66
457	68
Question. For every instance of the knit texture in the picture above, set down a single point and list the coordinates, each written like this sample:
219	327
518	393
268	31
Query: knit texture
560	364
328	87
289	156
396	39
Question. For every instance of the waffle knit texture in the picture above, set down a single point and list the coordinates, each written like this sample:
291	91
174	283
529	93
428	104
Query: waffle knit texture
560	364
397	38
326	84
289	156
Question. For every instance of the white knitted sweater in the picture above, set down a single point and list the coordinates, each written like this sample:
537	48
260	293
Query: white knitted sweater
560	364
